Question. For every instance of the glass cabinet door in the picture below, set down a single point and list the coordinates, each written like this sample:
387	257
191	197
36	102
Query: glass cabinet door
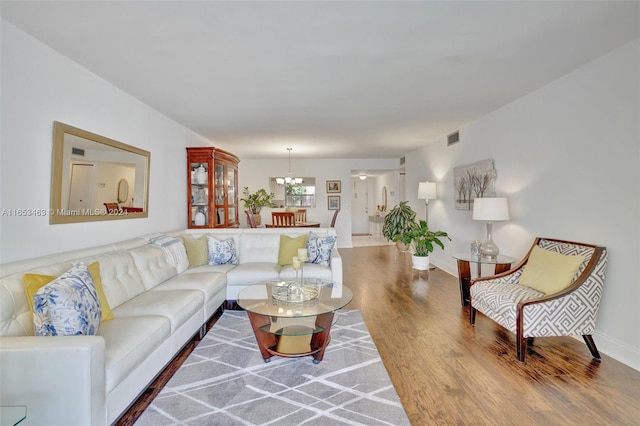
199	193
231	193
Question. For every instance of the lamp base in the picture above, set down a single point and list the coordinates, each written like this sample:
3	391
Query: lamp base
489	250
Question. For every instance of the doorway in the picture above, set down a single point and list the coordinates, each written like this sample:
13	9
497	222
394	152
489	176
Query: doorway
360	208
81	194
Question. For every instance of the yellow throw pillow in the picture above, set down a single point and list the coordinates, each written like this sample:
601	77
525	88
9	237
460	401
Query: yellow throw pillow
548	271
289	248
197	250
33	283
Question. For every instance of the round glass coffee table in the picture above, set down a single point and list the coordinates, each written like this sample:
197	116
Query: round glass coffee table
290	319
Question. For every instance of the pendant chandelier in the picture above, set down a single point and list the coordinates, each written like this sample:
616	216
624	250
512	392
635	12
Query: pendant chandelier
289	180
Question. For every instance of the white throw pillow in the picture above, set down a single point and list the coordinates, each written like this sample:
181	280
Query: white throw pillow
222	252
68	305
319	249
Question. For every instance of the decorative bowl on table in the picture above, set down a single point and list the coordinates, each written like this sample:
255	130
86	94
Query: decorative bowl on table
294	291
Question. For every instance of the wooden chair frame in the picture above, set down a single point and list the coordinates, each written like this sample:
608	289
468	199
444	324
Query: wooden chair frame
283	219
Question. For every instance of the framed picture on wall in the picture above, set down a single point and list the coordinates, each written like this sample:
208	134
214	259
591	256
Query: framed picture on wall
334	186
333	202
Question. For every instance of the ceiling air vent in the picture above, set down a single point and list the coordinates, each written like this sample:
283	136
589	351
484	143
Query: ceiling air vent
77	151
453	138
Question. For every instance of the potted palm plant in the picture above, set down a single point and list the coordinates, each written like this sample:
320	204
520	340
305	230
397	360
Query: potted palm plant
397	221
256	201
423	242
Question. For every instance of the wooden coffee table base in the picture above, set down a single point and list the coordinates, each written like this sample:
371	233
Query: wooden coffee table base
268	342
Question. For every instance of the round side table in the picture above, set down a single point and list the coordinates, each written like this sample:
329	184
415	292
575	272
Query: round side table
503	263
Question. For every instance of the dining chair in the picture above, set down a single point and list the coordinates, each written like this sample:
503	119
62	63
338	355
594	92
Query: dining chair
333	220
301	215
251	219
283	219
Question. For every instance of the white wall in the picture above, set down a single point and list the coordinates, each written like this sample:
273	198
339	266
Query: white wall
567	158
255	174
40	86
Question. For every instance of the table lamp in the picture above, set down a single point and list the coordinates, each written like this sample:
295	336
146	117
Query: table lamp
426	192
490	210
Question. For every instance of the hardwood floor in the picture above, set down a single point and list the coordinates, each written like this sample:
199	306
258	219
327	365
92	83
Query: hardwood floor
449	372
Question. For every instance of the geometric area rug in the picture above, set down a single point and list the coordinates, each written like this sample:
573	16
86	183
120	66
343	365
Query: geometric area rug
224	381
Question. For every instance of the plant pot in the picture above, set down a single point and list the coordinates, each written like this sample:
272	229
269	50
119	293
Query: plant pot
257	218
402	246
421	263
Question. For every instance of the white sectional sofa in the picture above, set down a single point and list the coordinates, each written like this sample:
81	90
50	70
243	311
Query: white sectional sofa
92	380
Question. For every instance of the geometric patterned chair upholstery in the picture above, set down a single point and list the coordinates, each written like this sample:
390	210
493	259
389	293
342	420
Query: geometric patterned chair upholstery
529	313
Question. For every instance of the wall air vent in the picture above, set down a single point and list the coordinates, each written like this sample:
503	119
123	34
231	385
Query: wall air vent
77	151
453	138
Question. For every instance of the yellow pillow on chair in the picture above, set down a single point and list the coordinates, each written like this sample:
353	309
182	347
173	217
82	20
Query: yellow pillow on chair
548	271
34	282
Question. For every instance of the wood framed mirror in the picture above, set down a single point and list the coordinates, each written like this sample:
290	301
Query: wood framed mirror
90	172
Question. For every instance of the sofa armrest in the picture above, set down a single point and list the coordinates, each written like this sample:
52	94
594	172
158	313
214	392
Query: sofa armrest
61	380
336	266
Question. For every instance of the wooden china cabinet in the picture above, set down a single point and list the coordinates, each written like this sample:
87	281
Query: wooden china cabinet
212	188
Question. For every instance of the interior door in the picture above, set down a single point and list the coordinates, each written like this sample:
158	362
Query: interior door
359	208
80	193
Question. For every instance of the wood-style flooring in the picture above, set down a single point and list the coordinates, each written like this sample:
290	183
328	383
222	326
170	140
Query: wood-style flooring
449	372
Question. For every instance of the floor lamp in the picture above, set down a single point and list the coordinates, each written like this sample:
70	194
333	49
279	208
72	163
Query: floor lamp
426	192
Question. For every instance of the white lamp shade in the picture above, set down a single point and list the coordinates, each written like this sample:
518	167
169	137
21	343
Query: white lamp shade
490	209
427	191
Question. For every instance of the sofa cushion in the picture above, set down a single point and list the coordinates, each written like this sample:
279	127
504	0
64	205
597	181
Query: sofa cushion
258	247
222	252
548	271
152	265
289	248
209	283
220	269
33	282
68	305
319	248
176	305
120	278
499	300
197	250
252	273
129	341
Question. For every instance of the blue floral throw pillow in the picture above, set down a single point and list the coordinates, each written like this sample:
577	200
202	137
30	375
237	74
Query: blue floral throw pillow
68	305
319	249
222	252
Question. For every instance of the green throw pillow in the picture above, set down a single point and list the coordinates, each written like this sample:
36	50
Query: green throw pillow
548	271
289	248
197	250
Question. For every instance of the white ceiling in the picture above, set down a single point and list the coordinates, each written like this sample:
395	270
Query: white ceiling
340	79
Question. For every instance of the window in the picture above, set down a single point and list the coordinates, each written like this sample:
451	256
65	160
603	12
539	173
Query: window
301	195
